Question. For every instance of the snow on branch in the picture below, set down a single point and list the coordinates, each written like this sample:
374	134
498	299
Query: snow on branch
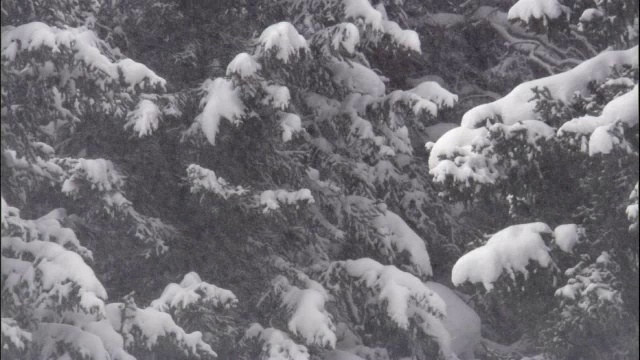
396	232
193	290
517	105
276	344
283	40
86	48
144	118
243	65
602	129
545	10
150	326
272	199
205	180
13	336
309	318
632	210
399	291
509	250
221	100
432	91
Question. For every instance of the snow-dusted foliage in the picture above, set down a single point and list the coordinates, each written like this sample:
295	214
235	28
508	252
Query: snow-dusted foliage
516	105
205	180
272	199
309	318
397	233
567	236
192	290
509	250
144	118
275	344
546	10
53	299
146	328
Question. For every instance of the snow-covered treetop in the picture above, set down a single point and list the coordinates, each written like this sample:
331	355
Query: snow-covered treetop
510	250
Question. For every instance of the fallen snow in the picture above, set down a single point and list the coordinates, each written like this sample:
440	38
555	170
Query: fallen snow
509	250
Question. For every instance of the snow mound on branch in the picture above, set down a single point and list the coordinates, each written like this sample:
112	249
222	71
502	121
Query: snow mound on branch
276	344
222	100
347	36
465	154
632	210
509	250
516	106
113	342
309	318
362	10
537	9
150	325
202	179
435	93
290	124
357	78
83	43
57	264
395	231
277	96
590	14
284	39
100	173
621	110
271	199
144	118
566	236
87	345
12	333
396	288
193	290
461	322
243	65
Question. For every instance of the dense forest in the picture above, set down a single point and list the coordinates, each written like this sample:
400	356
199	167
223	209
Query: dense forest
320	179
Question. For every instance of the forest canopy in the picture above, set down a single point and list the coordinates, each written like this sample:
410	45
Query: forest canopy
319	179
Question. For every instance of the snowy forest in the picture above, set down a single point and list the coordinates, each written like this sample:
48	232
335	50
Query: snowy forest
320	179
